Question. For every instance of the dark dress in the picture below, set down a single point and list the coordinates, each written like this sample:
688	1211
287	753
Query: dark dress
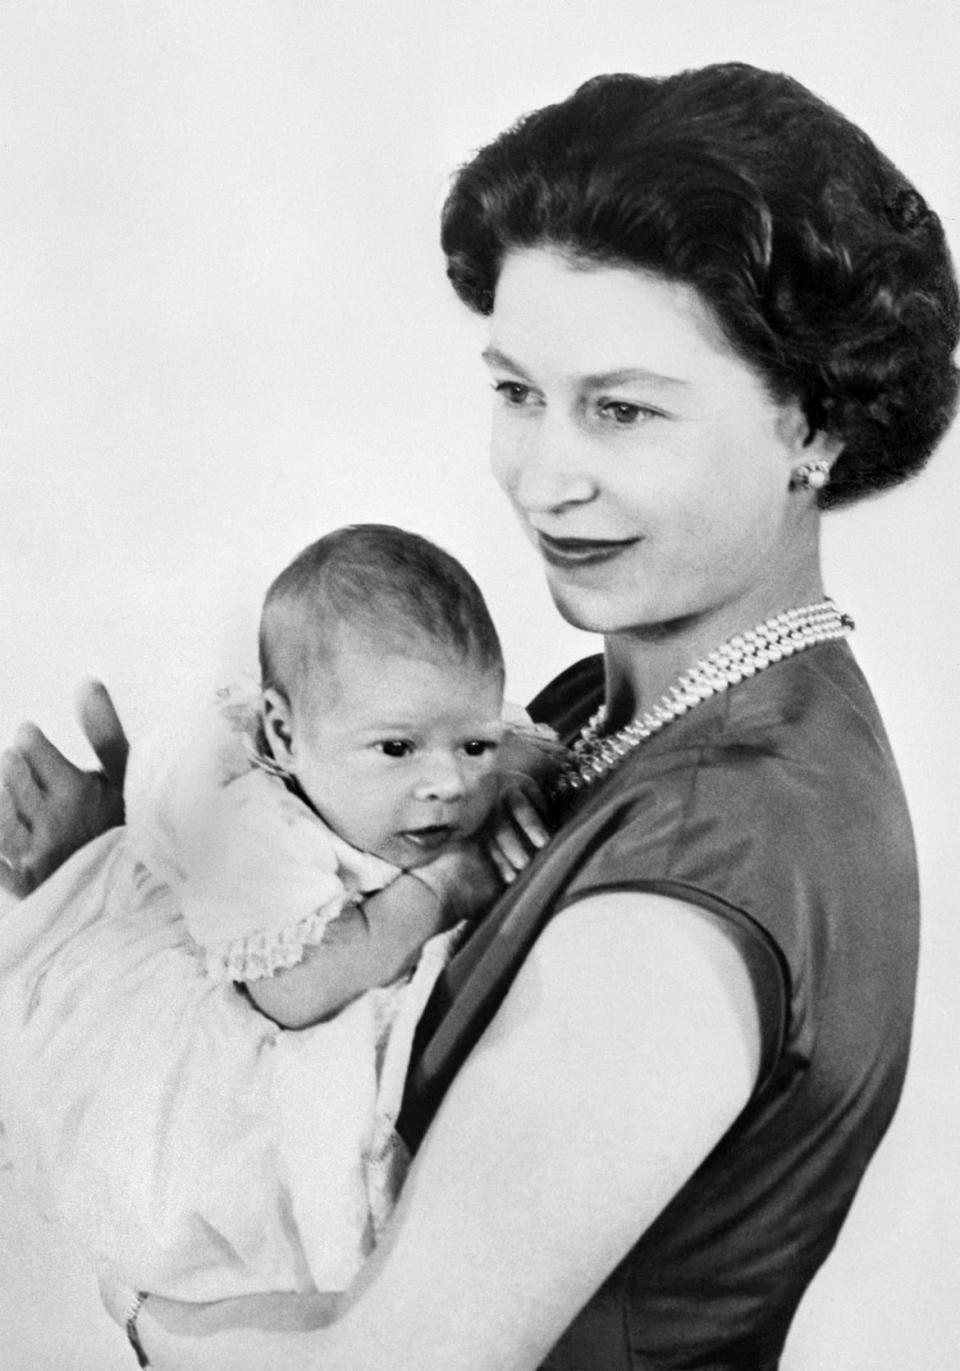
778	807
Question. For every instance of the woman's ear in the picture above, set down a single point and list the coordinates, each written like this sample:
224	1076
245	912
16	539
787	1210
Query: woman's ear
819	445
278	727
803	444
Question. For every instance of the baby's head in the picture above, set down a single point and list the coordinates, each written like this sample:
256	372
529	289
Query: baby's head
383	690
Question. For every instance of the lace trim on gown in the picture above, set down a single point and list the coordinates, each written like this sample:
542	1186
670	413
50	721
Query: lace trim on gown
257	955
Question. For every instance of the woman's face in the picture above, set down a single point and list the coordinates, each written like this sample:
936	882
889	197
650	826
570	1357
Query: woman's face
645	459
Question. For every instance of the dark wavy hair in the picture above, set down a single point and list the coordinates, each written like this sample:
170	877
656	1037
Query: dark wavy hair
398	588
826	269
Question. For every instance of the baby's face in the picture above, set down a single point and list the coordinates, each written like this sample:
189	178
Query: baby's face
398	754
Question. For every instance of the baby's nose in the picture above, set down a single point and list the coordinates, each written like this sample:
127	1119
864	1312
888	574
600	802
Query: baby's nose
441	779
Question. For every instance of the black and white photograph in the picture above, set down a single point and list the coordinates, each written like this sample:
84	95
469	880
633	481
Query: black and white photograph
479	740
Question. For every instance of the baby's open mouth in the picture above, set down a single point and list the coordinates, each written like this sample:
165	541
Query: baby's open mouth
431	837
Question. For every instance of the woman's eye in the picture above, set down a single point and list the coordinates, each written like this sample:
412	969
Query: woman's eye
395	747
623	413
480	747
513	392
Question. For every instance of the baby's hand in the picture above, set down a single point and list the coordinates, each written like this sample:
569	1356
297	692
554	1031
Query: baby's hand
463	879
528	763
528	752
468	878
517	831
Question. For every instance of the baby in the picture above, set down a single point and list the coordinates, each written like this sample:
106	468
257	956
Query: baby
293	866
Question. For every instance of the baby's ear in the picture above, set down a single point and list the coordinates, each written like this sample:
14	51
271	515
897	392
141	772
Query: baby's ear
278	726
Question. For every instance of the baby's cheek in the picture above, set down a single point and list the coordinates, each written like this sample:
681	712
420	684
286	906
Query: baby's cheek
485	793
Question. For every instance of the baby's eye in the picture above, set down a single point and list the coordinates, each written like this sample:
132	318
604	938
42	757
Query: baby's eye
395	747
480	747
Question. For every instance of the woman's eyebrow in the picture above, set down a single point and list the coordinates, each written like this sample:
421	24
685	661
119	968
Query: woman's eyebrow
600	380
603	380
495	358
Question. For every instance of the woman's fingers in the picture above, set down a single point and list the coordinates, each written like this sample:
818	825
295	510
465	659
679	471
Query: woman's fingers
10	879
19	793
116	1295
44	761
48	809
15	778
101	724
21	798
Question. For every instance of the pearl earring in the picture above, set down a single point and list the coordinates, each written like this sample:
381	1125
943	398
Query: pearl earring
811	476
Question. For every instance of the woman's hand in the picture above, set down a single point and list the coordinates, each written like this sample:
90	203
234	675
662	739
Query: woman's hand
278	1313
48	807
115	1295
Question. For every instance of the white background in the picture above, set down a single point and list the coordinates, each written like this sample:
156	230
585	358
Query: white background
226	329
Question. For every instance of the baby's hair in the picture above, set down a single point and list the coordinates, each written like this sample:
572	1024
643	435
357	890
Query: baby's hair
403	591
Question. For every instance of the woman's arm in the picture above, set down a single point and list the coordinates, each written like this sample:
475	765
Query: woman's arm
626	1047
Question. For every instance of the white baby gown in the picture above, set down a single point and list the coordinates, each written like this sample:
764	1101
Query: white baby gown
183	1137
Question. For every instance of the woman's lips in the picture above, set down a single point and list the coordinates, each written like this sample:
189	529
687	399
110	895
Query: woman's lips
574	552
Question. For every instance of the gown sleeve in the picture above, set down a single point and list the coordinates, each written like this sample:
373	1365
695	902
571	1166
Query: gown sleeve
258	874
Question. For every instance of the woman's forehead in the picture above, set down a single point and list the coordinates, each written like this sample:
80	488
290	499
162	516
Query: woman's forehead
598	320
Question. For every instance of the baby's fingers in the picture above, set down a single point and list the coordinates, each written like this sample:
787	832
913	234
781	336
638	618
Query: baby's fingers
508	852
520	833
505	870
527	818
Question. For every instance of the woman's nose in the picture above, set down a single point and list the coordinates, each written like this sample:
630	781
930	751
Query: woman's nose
547	467
440	779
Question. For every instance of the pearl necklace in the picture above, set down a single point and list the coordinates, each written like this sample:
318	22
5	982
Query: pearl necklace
594	754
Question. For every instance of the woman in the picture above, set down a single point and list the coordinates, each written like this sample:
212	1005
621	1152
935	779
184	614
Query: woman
647	1092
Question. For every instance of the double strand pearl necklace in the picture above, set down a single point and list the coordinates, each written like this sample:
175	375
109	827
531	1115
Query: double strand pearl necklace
595	754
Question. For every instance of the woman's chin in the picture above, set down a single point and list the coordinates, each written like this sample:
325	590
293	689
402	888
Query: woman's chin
594	613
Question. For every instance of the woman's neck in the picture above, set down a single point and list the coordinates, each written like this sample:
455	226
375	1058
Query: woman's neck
642	664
